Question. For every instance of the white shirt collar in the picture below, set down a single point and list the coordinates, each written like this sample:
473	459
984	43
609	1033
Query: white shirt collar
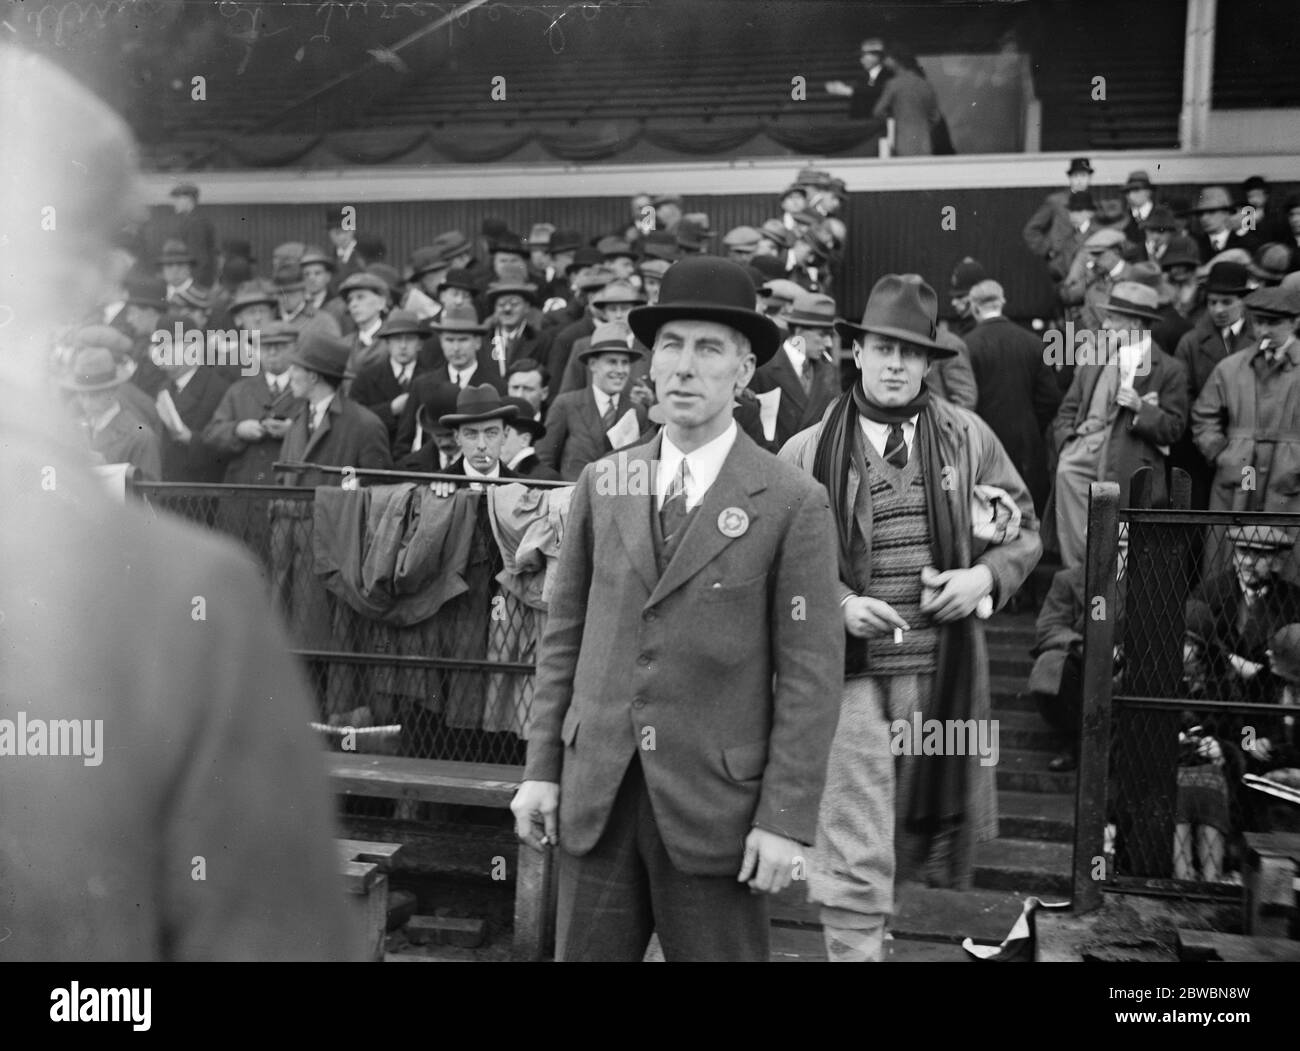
400	370
604	401
182	381
471	472
702	466
1236	327
454	374
1220	239
520	456
368	333
319	408
1144	211
345	254
797	357
1118	268
878	433
277	383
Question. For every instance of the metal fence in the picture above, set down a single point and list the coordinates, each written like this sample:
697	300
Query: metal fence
456	685
1181	698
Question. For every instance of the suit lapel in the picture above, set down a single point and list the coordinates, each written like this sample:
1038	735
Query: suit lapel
789	382
591	415
743	474
318	435
631	514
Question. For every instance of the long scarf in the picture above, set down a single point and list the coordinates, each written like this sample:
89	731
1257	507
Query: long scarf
939	798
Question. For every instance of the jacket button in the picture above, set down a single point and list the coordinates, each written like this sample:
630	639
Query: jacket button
644	660
638	702
649	615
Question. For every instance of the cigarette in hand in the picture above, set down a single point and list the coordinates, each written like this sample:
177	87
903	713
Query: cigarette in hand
898	636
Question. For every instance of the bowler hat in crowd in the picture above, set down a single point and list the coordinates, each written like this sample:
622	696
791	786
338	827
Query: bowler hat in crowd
1079	164
458	319
458	277
708	288
321	353
565	241
1134	300
966	275
1228	279
584	257
400	323
95	369
476	404
252	292
511	243
1213	199
901	309
1161	217
1181	251
438	401
610	338
1274	303
526	419
314	256
497	289
1138	180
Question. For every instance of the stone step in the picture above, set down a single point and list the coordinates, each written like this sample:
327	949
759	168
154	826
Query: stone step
1026	771
1011	692
1025	731
1036	815
1013	661
1024	866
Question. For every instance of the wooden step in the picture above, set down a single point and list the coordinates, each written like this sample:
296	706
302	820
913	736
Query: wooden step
1024	866
1026	771
1036	815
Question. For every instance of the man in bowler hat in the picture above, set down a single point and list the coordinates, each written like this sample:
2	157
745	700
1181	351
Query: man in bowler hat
687	685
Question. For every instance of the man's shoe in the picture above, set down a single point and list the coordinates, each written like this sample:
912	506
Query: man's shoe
1063	763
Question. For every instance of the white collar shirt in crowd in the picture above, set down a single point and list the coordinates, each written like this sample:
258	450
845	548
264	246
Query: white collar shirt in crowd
183	380
318	410
702	466
878	433
797	357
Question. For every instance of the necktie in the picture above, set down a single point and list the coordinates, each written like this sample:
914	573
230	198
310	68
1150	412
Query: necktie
404	381
610	416
311	421
896	447
673	513
1227	338
806	375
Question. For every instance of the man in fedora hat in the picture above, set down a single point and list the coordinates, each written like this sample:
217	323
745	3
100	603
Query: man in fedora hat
461	337
385	387
1051	225
293	308
1156	231
254	414
330	429
367	297
1246	420
186	403
1220	227
612	304
804	376
176	265
113	433
1122	412
205	754
193	227
1018	392
675	583
584	425
478	426
901	468
132	398
511	333
522	434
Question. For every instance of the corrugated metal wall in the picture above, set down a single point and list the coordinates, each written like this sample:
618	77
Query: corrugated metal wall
888	232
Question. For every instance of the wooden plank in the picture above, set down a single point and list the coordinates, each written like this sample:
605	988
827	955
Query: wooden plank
1269	878
1201	946
427	780
381	854
360	876
1281	844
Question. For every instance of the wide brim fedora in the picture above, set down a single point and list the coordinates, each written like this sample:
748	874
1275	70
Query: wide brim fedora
322	354
89	383
901	309
708	288
455	323
594	350
476	404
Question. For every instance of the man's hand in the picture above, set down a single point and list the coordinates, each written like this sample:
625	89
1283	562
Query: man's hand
442	488
277	429
769	861
959	592
1128	398
1246	669
249	431
865	616
838	87
536	807
399	403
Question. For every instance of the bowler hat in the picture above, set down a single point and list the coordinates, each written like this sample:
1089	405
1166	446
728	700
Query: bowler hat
400	323
1137	180
1270	263
278	332
610	338
321	353
458	277
708	289
364	281
1274	302
1181	251
452	243
95	368
613	247
1133	300
811	310
1284	653
1161	217
497	289
251	292
526	419
460	319
1228	279
1260	538
540	235
693	236
966	275
618	292
509	242
771	267
903	309
584	257
565	241
144	291
1079	164
475	404
1213	199
175	251
660	244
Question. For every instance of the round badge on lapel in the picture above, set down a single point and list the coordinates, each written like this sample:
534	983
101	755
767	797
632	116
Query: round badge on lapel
733	522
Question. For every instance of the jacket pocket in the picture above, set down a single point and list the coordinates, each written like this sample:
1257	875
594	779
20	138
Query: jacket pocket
723	591
745	762
569	730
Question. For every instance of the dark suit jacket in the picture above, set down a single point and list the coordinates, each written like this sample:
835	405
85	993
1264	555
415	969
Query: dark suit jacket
629	656
1018	396
574	434
348	436
866	94
1134	436
1236	239
249	399
422	386
375	388
525	345
196	404
195	229
797	410
1201	349
532	467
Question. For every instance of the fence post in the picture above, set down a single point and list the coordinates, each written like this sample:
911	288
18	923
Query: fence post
1094	735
